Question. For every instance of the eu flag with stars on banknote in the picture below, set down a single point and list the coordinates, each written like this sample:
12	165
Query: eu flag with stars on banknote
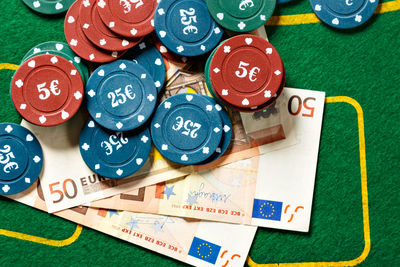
204	250
267	209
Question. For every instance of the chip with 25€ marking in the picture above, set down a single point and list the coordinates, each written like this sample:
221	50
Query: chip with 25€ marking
226	134
151	59
186	128
121	96
20	158
114	154
186	28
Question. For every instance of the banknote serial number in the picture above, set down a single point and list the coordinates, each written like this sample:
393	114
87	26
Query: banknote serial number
210	210
151	240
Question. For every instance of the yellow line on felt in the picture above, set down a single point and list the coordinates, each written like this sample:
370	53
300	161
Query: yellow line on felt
291	20
37	239
388	7
8	66
364	193
312	18
42	240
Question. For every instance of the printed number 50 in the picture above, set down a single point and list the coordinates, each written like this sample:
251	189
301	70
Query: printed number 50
64	191
309	110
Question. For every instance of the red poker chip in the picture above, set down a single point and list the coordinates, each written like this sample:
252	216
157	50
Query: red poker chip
259	108
79	42
246	71
47	90
269	102
129	18
98	33
166	53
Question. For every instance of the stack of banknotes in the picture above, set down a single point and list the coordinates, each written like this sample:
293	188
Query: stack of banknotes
201	215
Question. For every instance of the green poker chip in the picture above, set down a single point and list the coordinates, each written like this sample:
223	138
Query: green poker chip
241	15
59	49
49	7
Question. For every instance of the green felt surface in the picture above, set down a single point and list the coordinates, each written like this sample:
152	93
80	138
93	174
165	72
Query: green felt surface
361	63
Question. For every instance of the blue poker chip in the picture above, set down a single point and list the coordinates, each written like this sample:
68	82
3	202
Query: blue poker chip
283	1
186	27
150	58
121	96
186	128
226	135
114	154
21	158
344	14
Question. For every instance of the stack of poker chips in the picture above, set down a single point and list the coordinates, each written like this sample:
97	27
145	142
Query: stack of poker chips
47	88
245	73
122	97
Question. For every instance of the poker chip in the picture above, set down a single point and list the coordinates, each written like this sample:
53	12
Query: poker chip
98	33
240	109
114	154
186	28
150	58
344	14
20	158
60	49
207	78
226	134
47	90
49	7
121	96
252	109
265	105
186	128
283	1
128	18
246	71
79	42
167	53
241	16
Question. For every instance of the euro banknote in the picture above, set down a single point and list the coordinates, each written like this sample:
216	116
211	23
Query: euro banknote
271	190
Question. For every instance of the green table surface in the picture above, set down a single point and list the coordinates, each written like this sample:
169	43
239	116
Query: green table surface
348	226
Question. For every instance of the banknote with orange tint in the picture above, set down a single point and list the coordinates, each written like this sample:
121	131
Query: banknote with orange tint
195	242
273	190
67	181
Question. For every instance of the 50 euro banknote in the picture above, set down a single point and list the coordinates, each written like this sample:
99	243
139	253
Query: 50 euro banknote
271	190
195	242
67	181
